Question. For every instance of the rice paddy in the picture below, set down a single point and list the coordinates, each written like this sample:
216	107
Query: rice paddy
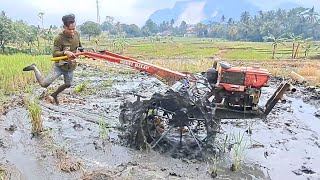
180	54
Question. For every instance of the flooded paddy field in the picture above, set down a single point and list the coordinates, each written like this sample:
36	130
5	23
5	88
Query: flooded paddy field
82	137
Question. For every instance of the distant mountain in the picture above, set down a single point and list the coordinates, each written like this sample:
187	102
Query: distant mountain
194	11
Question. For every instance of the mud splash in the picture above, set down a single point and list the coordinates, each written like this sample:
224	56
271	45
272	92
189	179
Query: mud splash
290	133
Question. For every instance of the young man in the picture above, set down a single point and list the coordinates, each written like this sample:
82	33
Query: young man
65	44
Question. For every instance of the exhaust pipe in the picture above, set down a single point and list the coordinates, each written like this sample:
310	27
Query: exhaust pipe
292	88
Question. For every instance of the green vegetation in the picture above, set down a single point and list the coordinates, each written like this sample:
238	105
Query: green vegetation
90	29
103	129
247	54
180	54
179	48
239	146
12	78
34	109
81	88
295	24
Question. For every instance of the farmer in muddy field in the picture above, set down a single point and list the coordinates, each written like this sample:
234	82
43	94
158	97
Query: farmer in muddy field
65	44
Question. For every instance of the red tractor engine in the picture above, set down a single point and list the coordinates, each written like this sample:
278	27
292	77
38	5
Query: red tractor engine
239	86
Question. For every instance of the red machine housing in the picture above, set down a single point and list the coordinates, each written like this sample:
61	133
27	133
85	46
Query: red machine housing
241	78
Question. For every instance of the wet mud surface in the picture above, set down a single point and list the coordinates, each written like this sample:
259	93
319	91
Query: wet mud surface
286	145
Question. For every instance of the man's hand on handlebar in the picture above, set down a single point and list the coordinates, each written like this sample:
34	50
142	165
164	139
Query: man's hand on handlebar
69	54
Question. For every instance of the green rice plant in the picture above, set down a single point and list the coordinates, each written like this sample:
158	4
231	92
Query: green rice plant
238	149
247	55
12	78
34	110
81	88
103	129
225	143
214	168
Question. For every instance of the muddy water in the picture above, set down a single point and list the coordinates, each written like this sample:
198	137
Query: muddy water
286	144
287	141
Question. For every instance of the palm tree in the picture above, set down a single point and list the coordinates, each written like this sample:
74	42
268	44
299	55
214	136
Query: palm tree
40	15
311	16
275	42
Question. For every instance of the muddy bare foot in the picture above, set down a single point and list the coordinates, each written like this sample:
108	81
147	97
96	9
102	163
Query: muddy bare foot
52	99
55	99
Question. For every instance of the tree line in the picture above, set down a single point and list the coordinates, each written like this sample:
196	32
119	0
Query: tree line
263	26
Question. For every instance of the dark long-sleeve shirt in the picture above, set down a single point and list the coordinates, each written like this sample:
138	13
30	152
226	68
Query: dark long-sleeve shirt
65	43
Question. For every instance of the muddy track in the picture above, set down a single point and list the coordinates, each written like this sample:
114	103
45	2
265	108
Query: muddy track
285	145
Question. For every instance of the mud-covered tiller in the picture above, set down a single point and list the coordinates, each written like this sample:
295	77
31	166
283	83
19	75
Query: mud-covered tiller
191	110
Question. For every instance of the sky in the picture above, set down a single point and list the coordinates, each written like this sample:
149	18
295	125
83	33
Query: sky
125	11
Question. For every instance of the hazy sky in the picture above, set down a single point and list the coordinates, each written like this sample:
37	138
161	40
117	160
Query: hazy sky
125	11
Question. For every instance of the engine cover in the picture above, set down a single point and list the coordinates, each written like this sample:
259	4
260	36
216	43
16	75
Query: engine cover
241	78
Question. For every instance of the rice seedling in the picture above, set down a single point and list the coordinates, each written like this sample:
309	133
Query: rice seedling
238	149
214	168
34	110
12	78
80	88
103	129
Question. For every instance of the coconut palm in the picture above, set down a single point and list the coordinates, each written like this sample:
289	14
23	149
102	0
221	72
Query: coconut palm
311	16
40	15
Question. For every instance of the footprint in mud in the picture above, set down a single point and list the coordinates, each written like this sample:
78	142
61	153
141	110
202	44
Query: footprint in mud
2	145
303	170
78	127
55	118
317	113
11	128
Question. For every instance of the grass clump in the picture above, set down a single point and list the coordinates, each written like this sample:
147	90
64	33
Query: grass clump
238	149
34	110
103	129
81	88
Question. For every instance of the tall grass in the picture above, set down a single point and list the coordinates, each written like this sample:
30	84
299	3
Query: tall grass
34	110
12	78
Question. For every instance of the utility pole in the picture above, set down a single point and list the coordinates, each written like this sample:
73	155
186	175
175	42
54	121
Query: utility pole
98	14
